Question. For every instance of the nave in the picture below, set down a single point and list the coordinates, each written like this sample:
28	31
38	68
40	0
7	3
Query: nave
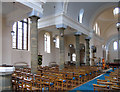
59	46
52	79
80	79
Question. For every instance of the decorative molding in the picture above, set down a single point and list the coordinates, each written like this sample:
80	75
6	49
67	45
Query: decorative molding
78	33
55	19
61	18
112	38
65	6
34	5
35	13
75	24
61	26
87	38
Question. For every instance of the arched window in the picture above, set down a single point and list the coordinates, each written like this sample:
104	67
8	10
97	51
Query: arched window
80	17
47	42
14	36
20	37
115	45
96	28
98	31
116	11
73	57
57	42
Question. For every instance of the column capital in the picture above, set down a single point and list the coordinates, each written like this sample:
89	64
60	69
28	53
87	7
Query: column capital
78	33
87	38
34	18
61	26
35	13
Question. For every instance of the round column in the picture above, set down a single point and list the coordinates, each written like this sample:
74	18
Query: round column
62	48
77	50
87	51
34	43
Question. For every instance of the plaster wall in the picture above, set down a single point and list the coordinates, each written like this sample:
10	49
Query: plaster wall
54	55
113	54
6	42
11	56
0	33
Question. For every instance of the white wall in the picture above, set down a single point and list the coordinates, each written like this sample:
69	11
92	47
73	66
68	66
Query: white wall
47	57
0	33
21	56
74	9
11	56
113	54
99	54
54	55
6	42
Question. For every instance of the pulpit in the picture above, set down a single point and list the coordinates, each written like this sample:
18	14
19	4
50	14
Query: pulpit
5	77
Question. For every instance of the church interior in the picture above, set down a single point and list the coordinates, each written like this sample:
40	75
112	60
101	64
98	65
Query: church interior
59	46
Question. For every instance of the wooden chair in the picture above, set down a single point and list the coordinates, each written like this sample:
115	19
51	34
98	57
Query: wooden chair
14	81
70	79
21	84
100	88
108	78
60	83
98	80
116	89
29	86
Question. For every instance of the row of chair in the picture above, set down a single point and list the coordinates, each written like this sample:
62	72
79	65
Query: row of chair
111	82
51	78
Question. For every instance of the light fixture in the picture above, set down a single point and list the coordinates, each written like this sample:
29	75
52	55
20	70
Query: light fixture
12	33
61	34
116	11
54	39
118	25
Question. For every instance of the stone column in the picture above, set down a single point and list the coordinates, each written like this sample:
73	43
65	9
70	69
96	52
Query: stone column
61	29
118	28
77	50
34	44
119	41
87	51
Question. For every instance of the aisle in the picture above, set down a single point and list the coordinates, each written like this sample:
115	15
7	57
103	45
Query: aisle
88	87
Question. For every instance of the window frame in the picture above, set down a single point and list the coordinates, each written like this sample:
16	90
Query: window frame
47	42
80	16
23	35
73	57
57	43
115	47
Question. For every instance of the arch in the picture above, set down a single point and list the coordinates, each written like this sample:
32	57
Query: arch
115	46
65	6
73	57
99	11
114	37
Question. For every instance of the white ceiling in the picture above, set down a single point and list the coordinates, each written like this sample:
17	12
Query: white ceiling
107	23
